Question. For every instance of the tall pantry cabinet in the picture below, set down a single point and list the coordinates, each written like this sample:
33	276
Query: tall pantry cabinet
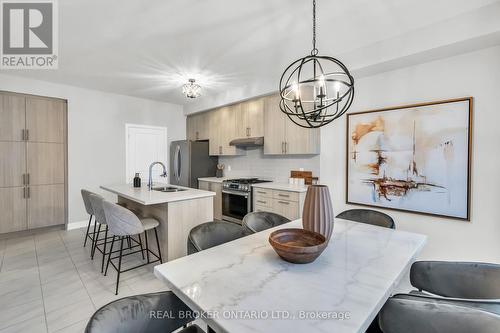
33	168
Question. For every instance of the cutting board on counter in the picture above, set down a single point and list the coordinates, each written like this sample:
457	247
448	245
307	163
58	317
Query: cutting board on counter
307	175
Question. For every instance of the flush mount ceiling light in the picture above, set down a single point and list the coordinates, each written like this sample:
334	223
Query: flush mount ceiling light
315	90
191	89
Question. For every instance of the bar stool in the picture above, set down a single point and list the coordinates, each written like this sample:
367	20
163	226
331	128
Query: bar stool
124	224
88	207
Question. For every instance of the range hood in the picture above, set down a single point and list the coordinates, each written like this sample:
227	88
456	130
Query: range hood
248	142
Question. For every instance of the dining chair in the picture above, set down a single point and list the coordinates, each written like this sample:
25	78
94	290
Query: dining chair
148	313
404	313
123	224
258	221
472	280
210	234
368	216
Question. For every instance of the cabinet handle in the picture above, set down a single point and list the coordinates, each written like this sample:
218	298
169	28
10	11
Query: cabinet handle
286	148
284	202
197	135
22	135
27	179
284	195
282	147
262	202
220	149
27	136
27	192
260	192
24	192
24	179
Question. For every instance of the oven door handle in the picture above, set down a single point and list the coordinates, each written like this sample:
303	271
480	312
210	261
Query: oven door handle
236	193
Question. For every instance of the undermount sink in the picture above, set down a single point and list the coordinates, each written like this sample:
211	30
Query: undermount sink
168	189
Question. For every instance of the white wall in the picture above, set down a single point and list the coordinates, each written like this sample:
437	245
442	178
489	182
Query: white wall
277	168
474	74
96	132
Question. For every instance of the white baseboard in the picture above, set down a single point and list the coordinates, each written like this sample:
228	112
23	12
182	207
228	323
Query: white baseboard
78	224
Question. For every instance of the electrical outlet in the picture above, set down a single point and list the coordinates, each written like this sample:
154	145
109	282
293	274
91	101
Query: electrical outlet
228	168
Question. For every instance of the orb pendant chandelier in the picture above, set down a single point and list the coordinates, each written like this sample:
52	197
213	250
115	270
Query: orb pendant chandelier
191	89
315	90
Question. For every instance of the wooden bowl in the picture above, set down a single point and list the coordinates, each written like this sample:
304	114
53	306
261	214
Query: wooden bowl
297	246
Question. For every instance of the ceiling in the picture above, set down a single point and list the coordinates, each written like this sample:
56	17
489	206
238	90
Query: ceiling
150	48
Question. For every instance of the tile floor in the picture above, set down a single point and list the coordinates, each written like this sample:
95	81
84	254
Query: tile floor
49	284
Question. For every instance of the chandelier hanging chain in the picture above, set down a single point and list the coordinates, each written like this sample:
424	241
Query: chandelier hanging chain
314	49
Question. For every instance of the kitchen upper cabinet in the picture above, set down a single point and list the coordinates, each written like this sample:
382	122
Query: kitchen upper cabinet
45	120
250	119
283	137
222	130
12	117
197	126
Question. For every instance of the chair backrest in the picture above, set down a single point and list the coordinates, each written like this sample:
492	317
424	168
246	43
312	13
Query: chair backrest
86	201
134	314
121	221
259	221
368	216
472	280
417	316
96	201
211	234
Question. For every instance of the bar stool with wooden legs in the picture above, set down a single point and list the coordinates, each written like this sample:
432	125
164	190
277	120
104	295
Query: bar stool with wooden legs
122	224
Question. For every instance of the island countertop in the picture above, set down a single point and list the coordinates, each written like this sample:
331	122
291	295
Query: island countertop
143	196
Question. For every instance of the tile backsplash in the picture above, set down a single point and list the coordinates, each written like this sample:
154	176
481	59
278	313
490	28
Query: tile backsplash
277	168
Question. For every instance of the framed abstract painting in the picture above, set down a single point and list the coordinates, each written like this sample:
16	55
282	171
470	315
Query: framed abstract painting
413	158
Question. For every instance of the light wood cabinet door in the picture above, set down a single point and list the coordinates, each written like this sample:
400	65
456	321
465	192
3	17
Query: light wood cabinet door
254	113
214	144
13	209
12	117
46	206
203	185
45	120
299	140
274	126
191	128
202	126
288	209
46	163
217	188
12	164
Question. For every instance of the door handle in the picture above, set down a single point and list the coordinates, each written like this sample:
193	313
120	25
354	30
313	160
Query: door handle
178	164
27	192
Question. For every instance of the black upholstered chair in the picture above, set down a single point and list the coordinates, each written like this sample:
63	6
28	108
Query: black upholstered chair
368	216
469	280
211	234
416	314
158	312
259	221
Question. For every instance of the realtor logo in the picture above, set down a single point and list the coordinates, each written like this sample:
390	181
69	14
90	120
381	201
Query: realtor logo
29	34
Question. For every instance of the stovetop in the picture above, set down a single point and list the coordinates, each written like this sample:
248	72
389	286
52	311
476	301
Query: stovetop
242	184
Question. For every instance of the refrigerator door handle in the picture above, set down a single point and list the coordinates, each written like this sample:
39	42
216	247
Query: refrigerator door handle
178	163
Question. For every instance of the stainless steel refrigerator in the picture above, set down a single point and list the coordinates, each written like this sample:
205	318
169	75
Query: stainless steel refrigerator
190	160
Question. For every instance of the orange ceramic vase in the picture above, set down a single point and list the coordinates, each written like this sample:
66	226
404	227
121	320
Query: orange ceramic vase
318	211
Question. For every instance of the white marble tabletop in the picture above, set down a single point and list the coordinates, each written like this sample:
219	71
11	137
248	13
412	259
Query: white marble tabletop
144	196
243	286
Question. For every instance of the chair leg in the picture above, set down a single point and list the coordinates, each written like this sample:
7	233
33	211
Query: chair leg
87	233
104	248
147	247
96	238
158	245
119	266
109	255
140	244
93	236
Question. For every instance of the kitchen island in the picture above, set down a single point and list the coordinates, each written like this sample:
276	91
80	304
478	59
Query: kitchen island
178	212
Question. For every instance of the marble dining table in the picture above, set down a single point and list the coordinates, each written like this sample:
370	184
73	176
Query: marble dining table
243	286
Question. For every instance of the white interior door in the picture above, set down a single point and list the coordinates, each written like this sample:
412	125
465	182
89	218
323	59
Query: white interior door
145	145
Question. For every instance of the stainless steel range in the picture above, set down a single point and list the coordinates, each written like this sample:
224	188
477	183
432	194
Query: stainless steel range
237	198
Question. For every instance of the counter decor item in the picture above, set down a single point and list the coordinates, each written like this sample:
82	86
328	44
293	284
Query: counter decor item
298	246
137	180
305	175
317	215
219	173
